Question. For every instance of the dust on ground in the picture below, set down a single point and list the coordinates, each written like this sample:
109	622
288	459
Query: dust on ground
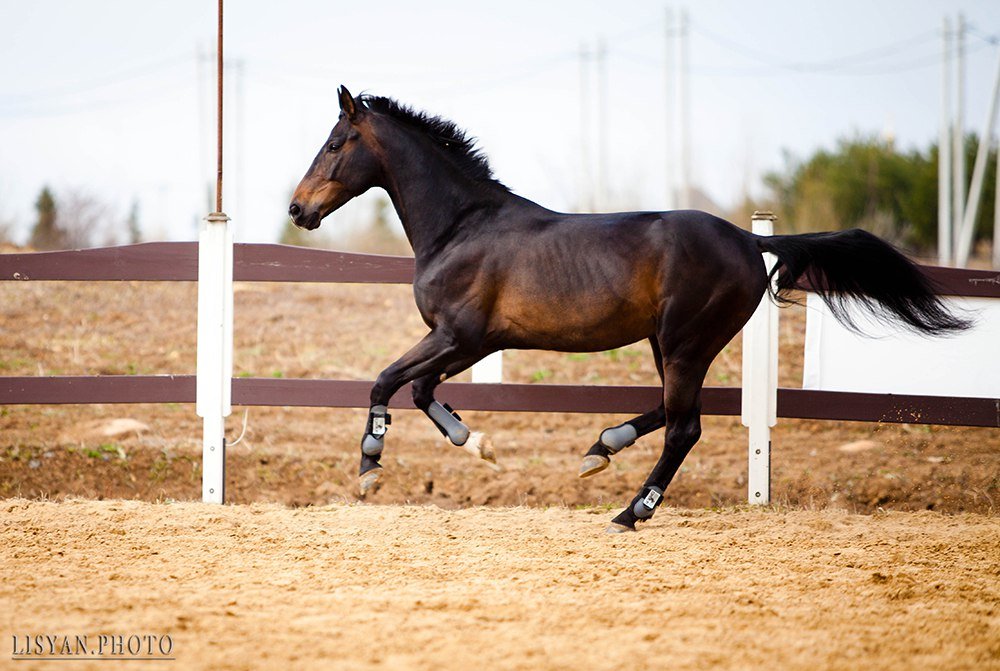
361	586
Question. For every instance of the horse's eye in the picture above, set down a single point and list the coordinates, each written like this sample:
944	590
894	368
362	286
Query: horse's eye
334	146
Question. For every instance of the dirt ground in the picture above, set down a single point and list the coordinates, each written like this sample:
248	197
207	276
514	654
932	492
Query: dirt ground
301	456
460	565
264	586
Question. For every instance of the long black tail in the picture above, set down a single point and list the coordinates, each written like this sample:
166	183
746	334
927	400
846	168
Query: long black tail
856	266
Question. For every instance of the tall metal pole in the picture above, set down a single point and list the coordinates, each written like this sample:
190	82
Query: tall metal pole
670	141
218	130
944	153
958	137
684	195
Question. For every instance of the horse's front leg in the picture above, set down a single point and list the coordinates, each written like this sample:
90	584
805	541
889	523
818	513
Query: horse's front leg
447	420
429	355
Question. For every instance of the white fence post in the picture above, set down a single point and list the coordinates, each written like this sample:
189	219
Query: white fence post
489	370
215	349
760	380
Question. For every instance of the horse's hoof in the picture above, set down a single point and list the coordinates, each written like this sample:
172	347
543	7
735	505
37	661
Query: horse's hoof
593	464
480	445
615	528
370	481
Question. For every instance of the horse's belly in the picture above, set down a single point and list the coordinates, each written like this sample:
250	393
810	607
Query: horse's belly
582	323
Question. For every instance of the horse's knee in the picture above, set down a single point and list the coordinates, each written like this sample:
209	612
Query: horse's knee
684	433
423	394
380	390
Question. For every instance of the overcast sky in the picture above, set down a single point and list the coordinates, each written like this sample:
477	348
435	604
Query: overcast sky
106	98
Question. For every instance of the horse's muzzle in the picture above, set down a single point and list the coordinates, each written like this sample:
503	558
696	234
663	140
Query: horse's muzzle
309	221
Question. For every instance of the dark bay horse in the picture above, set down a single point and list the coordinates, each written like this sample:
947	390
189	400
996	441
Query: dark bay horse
496	271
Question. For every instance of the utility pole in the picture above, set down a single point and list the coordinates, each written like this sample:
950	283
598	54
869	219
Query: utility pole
587	190
602	125
945	234
968	233
684	195
996	216
239	143
668	115
958	137
204	157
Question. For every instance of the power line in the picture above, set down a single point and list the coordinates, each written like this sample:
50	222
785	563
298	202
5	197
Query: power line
864	57
110	79
876	69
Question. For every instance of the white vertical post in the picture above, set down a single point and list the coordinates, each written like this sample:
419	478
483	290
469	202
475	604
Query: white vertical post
944	153
215	349
489	370
760	380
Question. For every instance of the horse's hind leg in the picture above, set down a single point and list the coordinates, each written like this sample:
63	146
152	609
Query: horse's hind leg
682	400
616	438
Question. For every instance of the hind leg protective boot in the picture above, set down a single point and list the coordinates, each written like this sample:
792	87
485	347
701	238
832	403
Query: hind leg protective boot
374	440
649	498
448	422
618	437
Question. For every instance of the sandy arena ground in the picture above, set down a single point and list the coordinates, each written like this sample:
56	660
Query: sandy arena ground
300	575
417	587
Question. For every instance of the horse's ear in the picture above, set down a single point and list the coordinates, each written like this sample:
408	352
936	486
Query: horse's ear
348	105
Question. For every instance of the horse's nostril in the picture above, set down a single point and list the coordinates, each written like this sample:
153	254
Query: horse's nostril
294	210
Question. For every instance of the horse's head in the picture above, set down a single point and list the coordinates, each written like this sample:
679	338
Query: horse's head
344	168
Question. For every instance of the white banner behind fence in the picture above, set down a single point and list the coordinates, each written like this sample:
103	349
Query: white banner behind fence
895	362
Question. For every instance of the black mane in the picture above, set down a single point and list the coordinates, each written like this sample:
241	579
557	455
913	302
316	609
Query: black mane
457	144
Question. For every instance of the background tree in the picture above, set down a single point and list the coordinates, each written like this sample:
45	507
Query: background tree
87	221
132	228
46	233
866	182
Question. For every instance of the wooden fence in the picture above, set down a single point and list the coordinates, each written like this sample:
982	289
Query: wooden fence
178	261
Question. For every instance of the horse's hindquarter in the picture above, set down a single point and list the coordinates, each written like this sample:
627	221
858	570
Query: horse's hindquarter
578	283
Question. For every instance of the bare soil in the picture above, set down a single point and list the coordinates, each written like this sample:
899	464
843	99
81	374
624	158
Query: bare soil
301	456
264	586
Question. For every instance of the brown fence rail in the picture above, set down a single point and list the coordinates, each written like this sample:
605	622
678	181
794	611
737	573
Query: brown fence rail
792	403
178	261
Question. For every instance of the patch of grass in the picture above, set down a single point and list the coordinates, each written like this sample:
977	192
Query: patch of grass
105	451
277	373
619	353
16	362
578	356
541	374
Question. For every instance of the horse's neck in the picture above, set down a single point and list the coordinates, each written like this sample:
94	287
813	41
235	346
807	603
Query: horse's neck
431	196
